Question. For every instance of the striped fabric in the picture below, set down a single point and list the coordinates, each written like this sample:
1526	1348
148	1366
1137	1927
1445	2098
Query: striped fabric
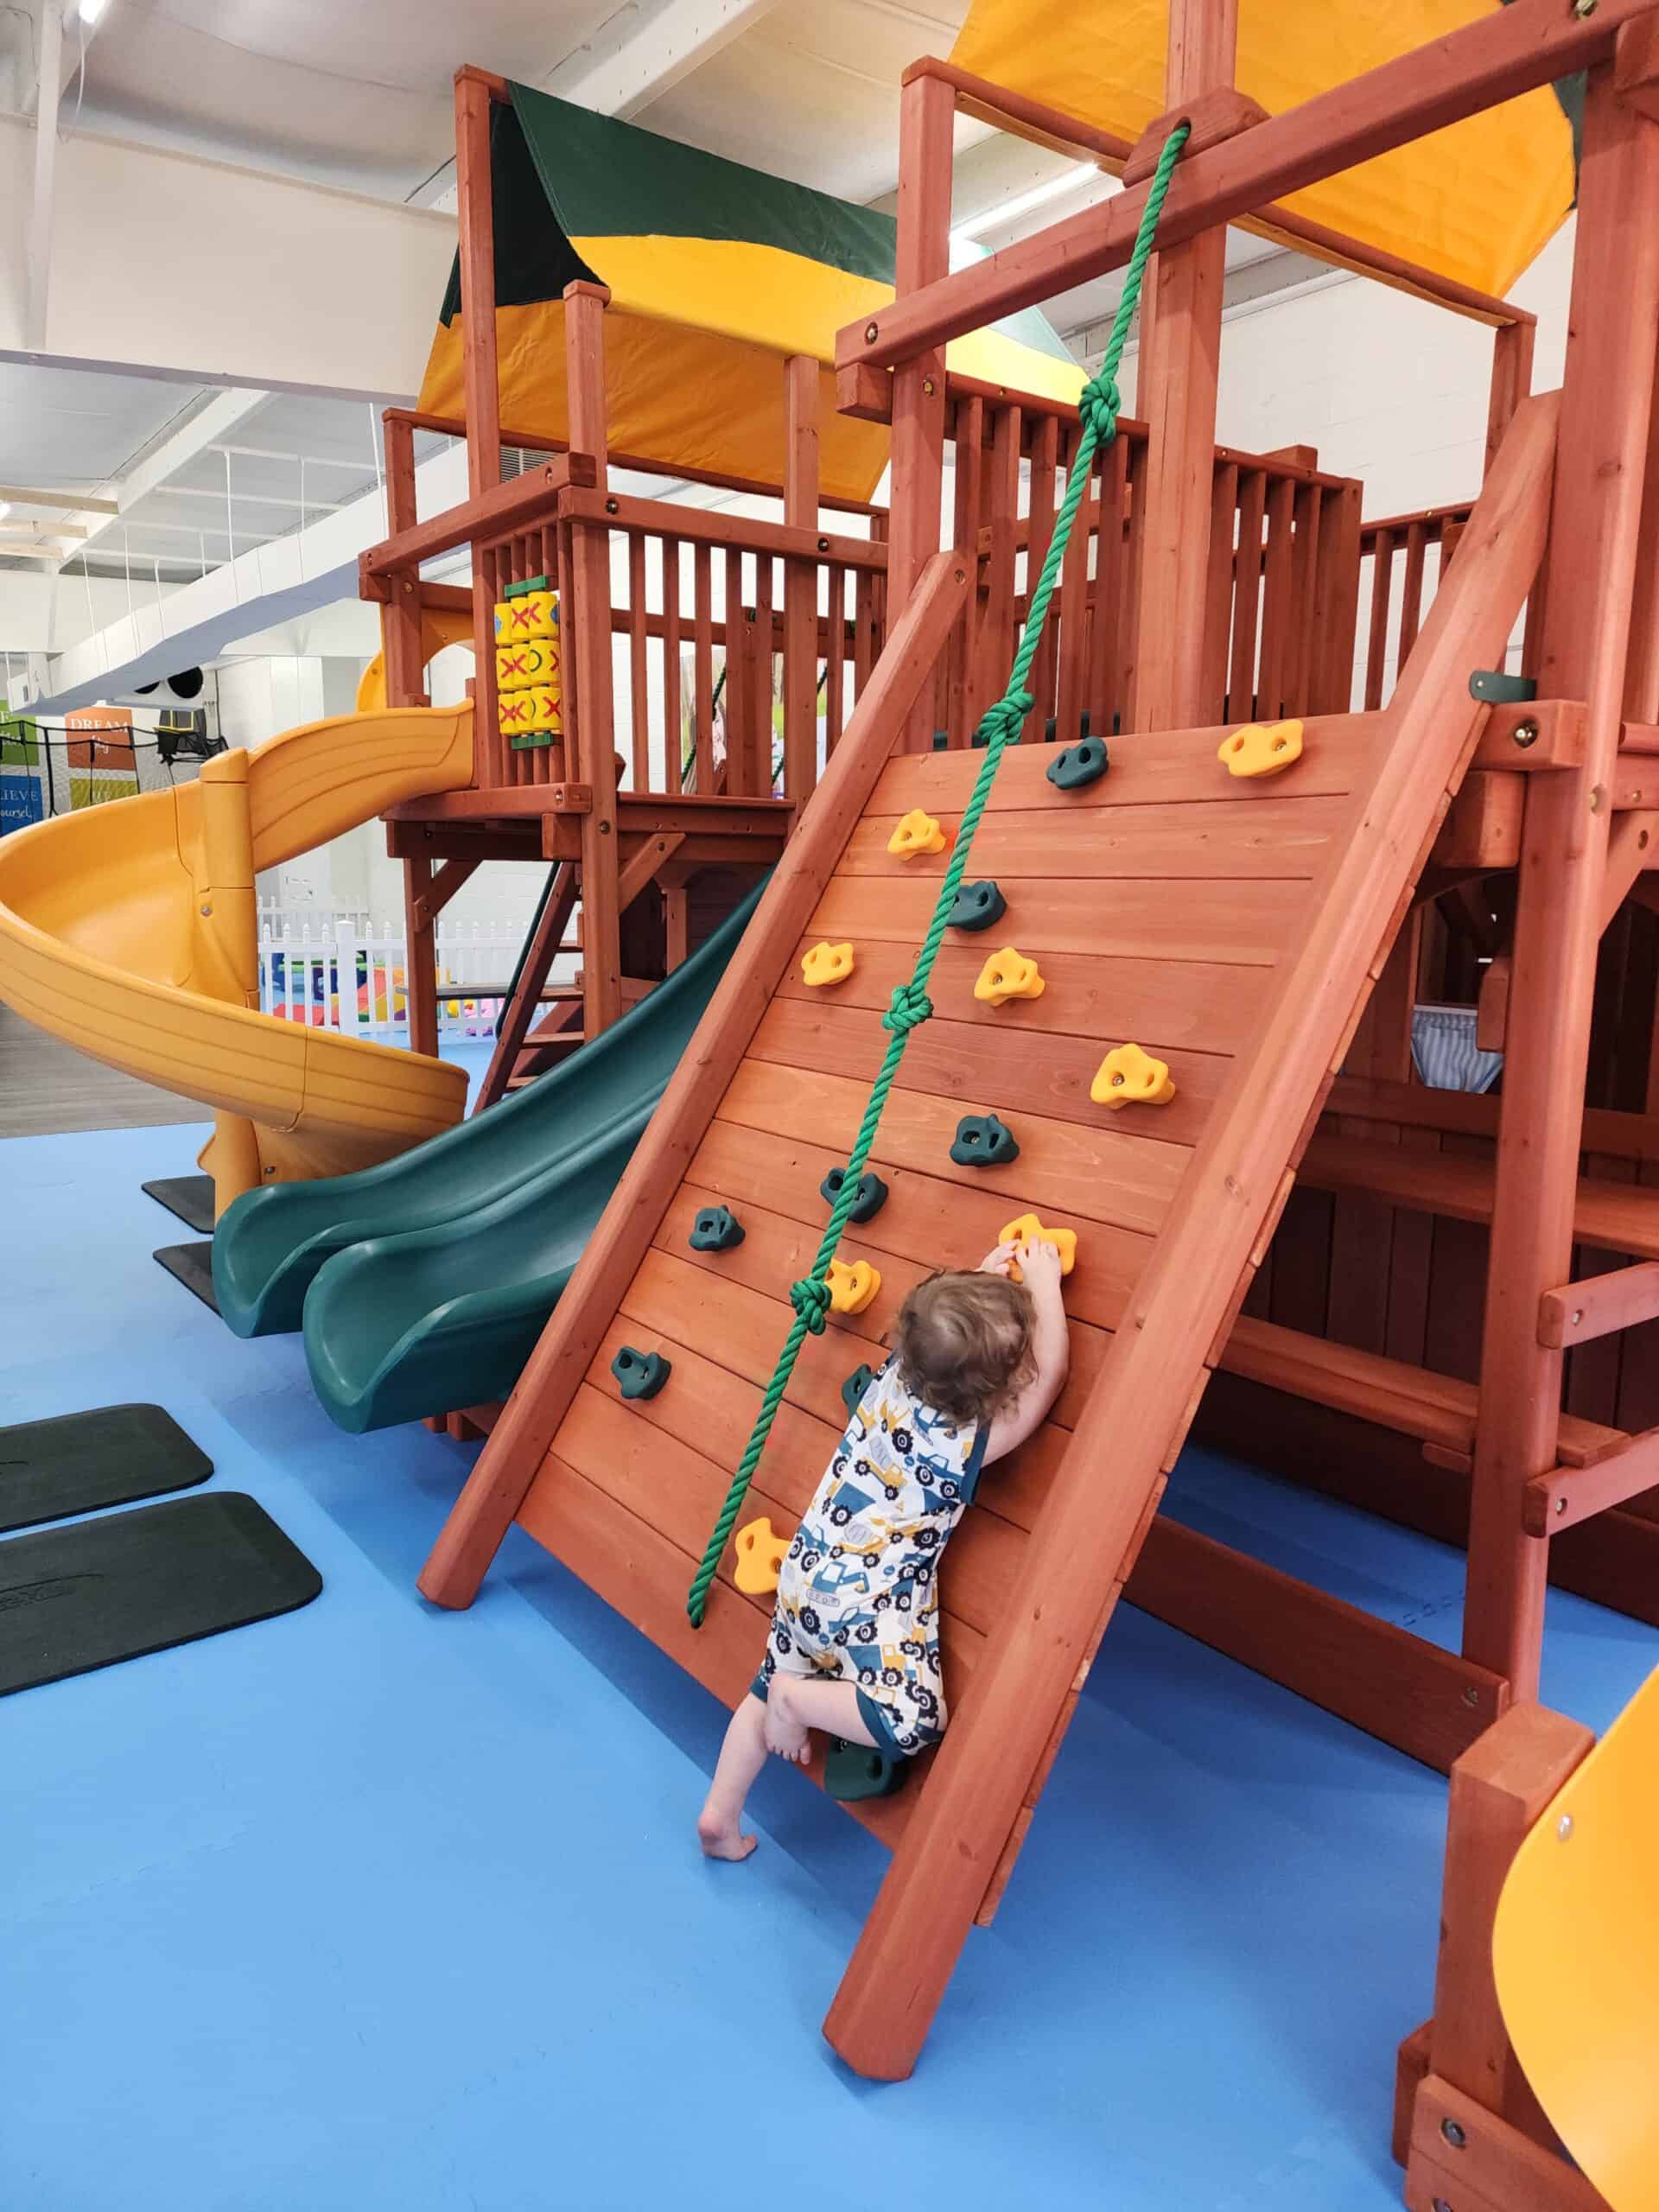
1444	1052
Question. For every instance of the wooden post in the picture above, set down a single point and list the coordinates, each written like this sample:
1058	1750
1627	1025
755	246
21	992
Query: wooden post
593	721
476	215
1512	344
1500	1787
1180	356
1588	581
400	616
420	973
801	389
926	114
558	902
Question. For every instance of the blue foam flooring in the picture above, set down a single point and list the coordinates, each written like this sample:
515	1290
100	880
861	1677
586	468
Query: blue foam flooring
376	1906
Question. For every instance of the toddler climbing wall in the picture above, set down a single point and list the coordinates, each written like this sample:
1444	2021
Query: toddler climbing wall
1224	924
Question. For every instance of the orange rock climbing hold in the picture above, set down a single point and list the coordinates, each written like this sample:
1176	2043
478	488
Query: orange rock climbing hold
1008	975
917	833
759	1557
852	1286
1128	1076
1260	748
1027	1230
826	964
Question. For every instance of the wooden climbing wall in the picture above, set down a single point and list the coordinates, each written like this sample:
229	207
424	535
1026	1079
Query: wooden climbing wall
1159	903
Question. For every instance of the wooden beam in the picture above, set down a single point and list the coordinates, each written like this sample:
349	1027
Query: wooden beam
558	905
1067	134
420	975
444	886
492	513
801	389
1512	349
1499	1789
1427	1702
1537	733
1498	56
1598	1305
1567	1496
1636	65
1467	2157
738	533
641	866
1181	333
497	1486
590	733
1587	586
476	199
1210	115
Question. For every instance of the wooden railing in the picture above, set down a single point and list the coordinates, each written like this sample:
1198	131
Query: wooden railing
1279	610
1407	556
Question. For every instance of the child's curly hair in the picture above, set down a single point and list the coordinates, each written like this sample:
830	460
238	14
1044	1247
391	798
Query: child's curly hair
963	1342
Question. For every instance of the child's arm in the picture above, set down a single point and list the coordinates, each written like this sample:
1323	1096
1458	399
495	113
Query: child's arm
1051	1349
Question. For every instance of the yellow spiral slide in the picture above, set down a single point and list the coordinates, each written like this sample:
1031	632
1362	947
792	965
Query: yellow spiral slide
128	930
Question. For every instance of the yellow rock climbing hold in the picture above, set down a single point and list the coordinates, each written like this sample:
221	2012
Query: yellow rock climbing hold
1008	975
826	964
759	1557
852	1287
1128	1076
1260	748
915	834
1027	1230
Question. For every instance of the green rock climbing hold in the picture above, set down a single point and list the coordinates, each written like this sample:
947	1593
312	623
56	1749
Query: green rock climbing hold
855	1771
641	1374
855	1387
1079	765
979	907
716	1229
872	1193
981	1141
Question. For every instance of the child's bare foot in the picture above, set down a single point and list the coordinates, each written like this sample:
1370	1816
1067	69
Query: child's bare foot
785	1731
721	1837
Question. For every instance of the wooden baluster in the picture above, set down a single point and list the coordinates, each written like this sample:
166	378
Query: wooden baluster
1336	602
1382	589
736	695
969	494
1134	547
1276	599
1218	592
865	584
638	689
1072	678
1411	591
835	656
673	738
1305	572
1247	598
1045	458
761	726
996	631
703	624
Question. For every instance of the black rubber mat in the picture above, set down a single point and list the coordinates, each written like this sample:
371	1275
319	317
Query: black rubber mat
77	1463
190	1197
193	1265
102	1590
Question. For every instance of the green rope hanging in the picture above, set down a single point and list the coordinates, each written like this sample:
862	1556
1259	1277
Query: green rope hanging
1000	727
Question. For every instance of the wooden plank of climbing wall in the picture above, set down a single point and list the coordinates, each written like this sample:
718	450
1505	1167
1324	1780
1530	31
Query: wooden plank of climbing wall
1200	1004
979	1066
1195	837
1249	922
956	1223
1147	769
1126	1180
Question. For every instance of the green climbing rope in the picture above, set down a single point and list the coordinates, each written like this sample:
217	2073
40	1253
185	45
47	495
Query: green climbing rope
910	1006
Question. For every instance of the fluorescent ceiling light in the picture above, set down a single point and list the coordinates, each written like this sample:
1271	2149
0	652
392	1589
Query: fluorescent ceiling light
91	9
4	511
1009	211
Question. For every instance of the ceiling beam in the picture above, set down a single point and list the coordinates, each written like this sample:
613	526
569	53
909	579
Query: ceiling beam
43	200
224	413
662	48
13	495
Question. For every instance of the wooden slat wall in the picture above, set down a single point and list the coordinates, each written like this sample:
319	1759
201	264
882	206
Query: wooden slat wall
1401	562
1157	903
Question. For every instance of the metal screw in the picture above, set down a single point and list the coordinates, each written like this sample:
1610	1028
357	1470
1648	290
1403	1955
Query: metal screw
610	506
1582	8
1471	1695
1439	2204
1525	734
1453	2130
869	333
1561	1506
1564	1826
823	545
929	386
207	910
1578	1315
1598	799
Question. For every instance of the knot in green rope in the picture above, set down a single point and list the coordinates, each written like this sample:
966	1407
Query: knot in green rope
1003	721
811	1300
910	1006
1100	402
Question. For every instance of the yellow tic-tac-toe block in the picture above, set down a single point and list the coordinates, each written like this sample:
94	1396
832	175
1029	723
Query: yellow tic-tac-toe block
1128	1076
1260	748
826	964
1027	1230
852	1287
518	666
916	833
1008	975
759	1557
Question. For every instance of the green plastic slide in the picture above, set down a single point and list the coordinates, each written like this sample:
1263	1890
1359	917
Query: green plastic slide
423	1284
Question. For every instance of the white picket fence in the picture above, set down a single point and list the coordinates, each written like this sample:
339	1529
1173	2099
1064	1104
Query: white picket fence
335	970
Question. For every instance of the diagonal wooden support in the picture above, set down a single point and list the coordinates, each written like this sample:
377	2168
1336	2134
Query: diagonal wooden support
431	902
558	904
641	867
1632	849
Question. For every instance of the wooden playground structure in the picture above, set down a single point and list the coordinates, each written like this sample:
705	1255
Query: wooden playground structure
1438	1305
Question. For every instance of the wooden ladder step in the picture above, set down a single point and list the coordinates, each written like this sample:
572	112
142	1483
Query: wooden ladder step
1438	1409
1614	1216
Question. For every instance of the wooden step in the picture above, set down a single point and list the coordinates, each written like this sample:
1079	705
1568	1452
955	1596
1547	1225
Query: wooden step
1440	1410
1613	1217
